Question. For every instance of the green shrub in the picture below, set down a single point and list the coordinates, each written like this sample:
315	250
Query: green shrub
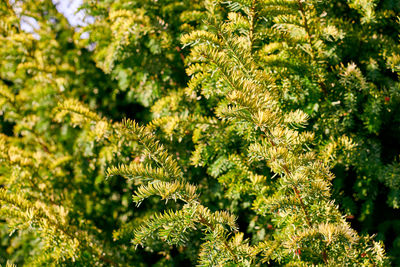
265	133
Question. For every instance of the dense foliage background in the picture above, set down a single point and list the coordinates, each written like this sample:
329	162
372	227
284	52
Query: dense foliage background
267	131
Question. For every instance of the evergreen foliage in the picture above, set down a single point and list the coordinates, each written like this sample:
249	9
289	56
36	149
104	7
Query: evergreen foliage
210	133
